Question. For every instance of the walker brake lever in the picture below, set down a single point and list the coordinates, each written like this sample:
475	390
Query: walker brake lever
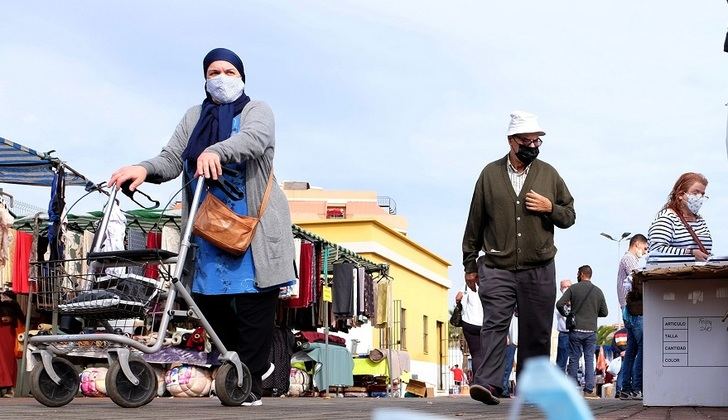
129	193
226	186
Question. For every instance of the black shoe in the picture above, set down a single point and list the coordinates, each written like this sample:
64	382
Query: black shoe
484	394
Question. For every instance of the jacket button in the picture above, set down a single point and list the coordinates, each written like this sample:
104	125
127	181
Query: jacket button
518	202
519	250
518	218
519	234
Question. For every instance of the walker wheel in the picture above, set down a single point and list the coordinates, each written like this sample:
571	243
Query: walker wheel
226	384
48	392
123	392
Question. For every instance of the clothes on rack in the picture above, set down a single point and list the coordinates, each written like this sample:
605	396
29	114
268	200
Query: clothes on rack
114	238
170	242
343	292
154	241
21	262
136	239
306	278
6	271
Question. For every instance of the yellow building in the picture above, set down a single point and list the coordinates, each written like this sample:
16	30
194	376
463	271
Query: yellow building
362	223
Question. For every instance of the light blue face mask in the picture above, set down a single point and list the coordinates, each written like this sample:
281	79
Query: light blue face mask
225	89
695	202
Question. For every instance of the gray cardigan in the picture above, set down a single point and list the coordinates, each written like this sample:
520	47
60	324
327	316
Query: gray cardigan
272	245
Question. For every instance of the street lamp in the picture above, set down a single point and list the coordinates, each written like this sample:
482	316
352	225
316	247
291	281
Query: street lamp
624	236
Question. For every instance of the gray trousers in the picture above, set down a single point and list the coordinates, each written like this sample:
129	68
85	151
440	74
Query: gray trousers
533	291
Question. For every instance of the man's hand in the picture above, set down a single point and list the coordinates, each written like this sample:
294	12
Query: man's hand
471	280
208	165
459	297
538	203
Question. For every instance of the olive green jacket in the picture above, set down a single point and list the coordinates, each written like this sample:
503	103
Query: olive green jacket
512	237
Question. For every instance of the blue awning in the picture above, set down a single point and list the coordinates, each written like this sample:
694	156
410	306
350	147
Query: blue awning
23	165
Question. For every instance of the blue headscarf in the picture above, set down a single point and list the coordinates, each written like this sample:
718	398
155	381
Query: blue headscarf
216	120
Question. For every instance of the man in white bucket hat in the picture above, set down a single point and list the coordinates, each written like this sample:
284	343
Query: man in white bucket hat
517	201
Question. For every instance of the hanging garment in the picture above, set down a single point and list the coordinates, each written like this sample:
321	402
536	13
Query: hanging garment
21	262
73	250
368	295
170	242
136	239
343	293
281	351
6	223
355	291
8	362
361	274
382	299
114	239
295	287
375	298
306	278
55	212
154	241
6	271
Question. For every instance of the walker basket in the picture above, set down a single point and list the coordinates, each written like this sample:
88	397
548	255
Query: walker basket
108	293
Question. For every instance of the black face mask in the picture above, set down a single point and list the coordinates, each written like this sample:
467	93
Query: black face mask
527	154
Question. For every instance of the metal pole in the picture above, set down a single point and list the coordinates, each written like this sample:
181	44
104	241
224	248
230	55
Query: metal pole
326	321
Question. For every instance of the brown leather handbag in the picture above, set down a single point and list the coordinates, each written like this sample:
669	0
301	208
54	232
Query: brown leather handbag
224	228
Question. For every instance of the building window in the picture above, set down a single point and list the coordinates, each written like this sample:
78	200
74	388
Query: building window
335	212
403	328
425	334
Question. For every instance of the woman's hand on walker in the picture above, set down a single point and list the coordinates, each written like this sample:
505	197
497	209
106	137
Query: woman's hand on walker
209	166
137	174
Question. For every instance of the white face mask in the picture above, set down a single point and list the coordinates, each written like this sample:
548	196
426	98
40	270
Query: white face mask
225	89
694	202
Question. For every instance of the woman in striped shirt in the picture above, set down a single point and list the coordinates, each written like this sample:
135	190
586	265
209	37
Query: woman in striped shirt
668	234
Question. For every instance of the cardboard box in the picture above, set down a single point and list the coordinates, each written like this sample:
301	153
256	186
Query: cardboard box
685	339
416	387
430	392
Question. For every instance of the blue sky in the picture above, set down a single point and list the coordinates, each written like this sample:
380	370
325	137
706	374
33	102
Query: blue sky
408	99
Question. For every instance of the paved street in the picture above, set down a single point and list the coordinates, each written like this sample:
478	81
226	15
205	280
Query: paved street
335	408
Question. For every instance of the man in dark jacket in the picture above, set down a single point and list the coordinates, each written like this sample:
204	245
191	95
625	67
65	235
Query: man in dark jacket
517	201
587	304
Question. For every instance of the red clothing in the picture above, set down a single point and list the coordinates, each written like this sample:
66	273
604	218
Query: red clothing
21	262
306	275
154	241
8	362
457	374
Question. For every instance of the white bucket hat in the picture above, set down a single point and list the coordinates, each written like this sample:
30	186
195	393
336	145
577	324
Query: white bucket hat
524	122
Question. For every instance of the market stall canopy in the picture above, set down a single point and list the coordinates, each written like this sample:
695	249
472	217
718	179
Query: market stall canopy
23	165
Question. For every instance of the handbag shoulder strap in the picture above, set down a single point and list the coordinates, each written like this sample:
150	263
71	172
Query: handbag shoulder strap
585	298
691	231
266	195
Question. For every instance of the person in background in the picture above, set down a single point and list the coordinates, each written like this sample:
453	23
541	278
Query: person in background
587	304
517	202
11	324
630	261
511	349
472	316
619	345
237	294
457	375
562	351
629	379
678	228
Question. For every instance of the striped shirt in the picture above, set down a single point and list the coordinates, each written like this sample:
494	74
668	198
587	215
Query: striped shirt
668	234
627	264
517	178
